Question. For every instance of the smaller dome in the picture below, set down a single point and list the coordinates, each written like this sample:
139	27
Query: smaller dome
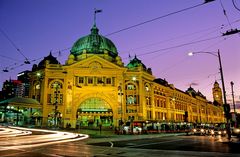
135	62
50	59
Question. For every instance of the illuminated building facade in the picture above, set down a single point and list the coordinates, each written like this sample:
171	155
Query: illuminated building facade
94	88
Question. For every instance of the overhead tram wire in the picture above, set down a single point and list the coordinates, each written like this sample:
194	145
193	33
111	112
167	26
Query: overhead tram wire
225	13
235	5
206	1
56	52
15	65
181	45
171	39
8	58
177	46
15	46
181	36
160	17
216	28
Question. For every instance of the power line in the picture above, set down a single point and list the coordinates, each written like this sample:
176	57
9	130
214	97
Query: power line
182	36
225	13
15	65
157	18
235	6
8	58
177	46
14	45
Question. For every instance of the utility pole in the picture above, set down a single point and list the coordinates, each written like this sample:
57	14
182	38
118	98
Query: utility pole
234	109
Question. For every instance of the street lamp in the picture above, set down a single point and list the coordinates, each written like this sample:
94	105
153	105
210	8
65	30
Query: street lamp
225	105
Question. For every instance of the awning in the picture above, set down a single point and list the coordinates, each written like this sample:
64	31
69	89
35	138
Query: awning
21	102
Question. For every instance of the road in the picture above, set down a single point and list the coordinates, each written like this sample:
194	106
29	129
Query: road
191	144
132	146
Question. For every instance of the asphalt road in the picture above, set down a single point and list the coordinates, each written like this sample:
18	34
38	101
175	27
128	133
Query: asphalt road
159	146
180	143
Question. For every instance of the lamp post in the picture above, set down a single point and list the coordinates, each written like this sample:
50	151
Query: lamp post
225	105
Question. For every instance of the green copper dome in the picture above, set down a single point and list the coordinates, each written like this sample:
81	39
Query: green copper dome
94	44
135	62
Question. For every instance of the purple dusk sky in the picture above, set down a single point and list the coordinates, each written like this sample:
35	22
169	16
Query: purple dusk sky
40	26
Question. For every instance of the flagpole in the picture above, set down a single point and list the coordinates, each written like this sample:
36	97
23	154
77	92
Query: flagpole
95	12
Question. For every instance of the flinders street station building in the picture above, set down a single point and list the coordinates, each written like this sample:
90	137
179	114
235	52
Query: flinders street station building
94	88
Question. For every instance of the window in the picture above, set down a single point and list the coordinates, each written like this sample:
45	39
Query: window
90	80
130	87
81	80
108	81
99	80
130	100
56	95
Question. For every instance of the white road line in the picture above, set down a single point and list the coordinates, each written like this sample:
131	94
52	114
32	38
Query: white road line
111	144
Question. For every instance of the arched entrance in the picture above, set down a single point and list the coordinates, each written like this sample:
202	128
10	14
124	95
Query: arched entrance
94	112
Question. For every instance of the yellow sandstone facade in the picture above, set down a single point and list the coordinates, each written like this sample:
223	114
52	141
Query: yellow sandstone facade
94	88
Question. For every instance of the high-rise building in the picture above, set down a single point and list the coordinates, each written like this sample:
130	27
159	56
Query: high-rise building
24	87
11	88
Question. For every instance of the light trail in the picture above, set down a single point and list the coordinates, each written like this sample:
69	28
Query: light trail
8	132
26	141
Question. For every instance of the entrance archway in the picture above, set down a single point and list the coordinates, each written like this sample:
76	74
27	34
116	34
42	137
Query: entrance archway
94	112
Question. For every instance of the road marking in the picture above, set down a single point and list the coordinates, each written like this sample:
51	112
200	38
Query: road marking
146	144
111	144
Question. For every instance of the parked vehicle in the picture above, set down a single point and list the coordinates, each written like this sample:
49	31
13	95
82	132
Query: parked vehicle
236	132
209	130
219	131
199	130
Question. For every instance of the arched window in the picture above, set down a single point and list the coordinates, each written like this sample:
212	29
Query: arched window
94	105
56	93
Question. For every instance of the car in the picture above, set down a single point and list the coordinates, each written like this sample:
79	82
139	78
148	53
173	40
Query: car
236	132
209	130
199	130
217	131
